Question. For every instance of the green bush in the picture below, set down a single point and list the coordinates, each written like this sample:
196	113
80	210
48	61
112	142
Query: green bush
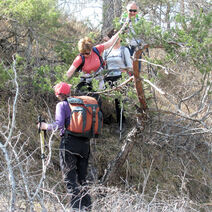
5	76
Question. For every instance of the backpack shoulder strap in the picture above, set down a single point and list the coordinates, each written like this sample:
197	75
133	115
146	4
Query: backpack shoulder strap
100	57
79	68
123	55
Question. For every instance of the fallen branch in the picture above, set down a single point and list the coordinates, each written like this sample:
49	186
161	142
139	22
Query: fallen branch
114	166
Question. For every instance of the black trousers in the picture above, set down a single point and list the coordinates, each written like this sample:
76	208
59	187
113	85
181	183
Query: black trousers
74	155
111	81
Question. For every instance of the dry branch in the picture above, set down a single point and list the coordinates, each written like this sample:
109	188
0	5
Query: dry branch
113	167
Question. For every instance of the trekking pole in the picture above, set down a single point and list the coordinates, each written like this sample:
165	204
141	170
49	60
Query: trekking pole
121	122
109	51
42	134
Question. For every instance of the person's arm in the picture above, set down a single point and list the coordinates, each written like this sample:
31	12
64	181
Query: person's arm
59	119
59	122
115	37
76	63
112	40
71	71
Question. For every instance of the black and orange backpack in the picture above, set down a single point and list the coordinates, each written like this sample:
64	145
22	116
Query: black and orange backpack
86	118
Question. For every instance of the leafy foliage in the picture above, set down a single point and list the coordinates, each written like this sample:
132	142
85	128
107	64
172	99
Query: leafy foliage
5	76
196	39
32	13
66	52
189	38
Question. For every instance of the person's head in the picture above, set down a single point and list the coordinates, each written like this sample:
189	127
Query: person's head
85	46
110	34
106	38
132	9
62	90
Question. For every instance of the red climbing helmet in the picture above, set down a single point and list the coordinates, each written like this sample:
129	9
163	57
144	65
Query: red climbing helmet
62	88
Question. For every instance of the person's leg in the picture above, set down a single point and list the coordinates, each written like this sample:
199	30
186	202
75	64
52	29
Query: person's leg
72	184
131	50
68	163
117	101
112	81
82	173
82	163
82	167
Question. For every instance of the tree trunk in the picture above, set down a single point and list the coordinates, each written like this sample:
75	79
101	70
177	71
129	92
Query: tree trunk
118	8
168	10
182	7
138	82
28	52
111	9
113	167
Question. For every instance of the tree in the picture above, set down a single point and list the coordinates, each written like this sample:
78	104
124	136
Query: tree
111	10
180	41
33	18
176	117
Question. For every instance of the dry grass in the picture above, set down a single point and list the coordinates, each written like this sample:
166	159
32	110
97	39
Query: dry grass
168	170
113	199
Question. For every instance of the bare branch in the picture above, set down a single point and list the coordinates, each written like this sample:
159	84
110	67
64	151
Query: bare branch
115	165
157	65
11	177
14	103
115	87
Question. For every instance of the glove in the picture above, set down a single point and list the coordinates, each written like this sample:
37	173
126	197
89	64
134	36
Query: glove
42	126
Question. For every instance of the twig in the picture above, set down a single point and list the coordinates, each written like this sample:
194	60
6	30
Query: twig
14	103
146	177
157	65
115	87
154	86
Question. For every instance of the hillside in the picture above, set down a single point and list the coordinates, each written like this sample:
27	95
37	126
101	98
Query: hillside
162	161
169	165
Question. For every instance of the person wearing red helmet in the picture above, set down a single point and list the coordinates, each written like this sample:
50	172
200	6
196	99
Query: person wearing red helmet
74	151
62	88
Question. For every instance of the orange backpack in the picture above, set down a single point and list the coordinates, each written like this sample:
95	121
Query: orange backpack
86	118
